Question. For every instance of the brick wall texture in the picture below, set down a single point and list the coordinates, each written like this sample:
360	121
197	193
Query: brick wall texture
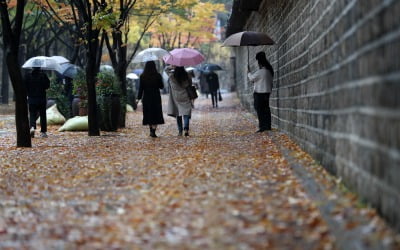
336	88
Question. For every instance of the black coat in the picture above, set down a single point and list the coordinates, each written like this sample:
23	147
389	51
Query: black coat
149	93
213	82
36	84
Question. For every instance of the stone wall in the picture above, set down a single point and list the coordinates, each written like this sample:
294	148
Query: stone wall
336	87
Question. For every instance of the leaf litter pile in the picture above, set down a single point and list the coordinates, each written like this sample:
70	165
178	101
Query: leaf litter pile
223	187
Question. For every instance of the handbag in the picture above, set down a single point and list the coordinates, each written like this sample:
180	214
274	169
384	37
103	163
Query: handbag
191	90
219	96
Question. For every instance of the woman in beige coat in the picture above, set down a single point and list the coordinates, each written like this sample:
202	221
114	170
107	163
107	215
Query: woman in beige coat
179	104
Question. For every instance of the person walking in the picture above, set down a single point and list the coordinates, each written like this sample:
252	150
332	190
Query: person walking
36	84
203	84
213	86
262	79
179	104
149	92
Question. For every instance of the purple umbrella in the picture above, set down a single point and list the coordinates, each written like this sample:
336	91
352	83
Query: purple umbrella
184	57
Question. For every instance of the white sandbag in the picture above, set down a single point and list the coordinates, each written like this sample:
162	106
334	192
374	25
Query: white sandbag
77	123
54	117
129	108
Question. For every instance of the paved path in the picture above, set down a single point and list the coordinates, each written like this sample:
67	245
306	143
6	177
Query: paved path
224	187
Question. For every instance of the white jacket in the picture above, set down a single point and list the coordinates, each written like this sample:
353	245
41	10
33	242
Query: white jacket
262	80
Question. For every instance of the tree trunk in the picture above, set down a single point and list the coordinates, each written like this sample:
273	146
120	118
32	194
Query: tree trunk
91	71
21	105
4	81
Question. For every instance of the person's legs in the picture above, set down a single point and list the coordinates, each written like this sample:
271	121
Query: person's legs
179	123
43	117
32	119
153	130
214	99
186	120
32	115
261	109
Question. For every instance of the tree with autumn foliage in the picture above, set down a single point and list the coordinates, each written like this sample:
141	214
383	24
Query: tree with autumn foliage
89	18
140	14
178	29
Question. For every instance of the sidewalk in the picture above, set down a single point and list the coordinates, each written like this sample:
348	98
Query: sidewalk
224	187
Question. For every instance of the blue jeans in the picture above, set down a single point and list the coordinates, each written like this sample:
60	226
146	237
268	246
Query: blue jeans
186	119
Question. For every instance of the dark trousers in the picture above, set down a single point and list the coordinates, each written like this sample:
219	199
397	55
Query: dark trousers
261	105
214	98
34	109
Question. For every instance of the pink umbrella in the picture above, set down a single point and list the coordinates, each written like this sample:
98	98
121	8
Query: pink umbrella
184	57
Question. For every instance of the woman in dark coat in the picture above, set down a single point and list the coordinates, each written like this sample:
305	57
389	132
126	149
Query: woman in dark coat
149	92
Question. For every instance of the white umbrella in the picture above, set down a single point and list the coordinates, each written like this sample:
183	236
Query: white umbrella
43	62
150	54
132	76
60	59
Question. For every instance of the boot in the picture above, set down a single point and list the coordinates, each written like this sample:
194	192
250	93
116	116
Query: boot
153	132
186	132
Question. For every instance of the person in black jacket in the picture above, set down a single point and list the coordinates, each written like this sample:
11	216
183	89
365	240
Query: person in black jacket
36	83
213	86
149	92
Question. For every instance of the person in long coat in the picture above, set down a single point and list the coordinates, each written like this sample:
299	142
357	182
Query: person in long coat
179	104
36	84
213	86
149	92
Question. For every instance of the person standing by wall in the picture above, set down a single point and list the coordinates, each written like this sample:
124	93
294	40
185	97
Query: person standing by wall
179	104
149	92
213	86
262	79
37	83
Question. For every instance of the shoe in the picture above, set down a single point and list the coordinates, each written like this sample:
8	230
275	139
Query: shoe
186	132
43	134
32	132
180	133
153	133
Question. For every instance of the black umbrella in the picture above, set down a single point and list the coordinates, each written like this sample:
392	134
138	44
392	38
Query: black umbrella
248	38
211	67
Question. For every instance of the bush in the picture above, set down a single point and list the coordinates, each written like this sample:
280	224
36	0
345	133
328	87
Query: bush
56	92
80	88
108	100
107	83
